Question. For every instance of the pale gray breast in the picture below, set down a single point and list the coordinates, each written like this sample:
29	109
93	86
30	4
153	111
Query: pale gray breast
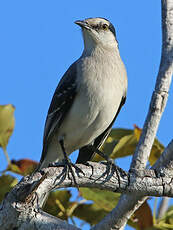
102	83
100	90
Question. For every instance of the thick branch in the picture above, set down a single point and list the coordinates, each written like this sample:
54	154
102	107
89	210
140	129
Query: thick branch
97	175
22	203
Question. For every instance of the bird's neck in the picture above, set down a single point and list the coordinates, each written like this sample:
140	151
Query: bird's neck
99	49
91	47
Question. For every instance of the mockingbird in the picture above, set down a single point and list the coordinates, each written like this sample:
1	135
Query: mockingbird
88	98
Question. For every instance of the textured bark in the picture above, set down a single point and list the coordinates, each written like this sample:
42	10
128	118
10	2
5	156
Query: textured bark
21	207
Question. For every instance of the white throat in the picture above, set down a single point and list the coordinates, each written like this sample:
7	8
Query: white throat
92	42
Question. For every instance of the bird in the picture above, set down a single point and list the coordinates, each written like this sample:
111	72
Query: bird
88	97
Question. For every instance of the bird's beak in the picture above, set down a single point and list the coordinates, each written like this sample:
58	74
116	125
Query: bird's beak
83	24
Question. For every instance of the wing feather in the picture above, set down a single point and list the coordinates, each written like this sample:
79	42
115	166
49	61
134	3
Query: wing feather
62	101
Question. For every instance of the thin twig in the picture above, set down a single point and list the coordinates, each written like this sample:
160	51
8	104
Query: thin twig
163	206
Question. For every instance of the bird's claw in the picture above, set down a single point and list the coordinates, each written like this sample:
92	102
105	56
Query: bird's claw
68	165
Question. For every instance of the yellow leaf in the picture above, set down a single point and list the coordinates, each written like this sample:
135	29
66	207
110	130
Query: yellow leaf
13	168
157	147
125	146
123	142
156	151
7	122
113	139
137	132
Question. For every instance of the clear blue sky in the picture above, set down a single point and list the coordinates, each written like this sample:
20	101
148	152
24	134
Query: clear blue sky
39	41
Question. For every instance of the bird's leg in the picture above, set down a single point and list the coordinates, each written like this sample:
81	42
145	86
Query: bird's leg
109	161
68	163
67	160
96	150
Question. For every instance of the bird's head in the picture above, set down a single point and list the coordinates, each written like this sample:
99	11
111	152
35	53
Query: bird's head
98	31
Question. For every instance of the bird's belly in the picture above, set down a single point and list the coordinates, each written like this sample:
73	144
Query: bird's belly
87	119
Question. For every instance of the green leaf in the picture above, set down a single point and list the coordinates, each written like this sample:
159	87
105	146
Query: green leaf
7	182
103	203
58	204
166	222
168	217
105	200
90	213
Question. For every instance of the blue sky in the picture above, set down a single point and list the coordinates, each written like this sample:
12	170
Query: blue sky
39	41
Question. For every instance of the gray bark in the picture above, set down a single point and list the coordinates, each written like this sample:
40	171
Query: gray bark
20	208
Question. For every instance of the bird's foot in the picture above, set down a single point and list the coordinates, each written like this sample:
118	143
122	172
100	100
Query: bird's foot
68	168
68	164
108	161
111	168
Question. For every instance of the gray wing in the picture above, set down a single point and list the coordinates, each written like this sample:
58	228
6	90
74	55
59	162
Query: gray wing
86	153
61	103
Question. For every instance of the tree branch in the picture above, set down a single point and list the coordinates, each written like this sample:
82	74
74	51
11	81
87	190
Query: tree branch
21	206
163	207
97	175
165	162
160	94
128	203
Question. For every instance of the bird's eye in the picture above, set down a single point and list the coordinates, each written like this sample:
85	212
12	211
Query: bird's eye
105	26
